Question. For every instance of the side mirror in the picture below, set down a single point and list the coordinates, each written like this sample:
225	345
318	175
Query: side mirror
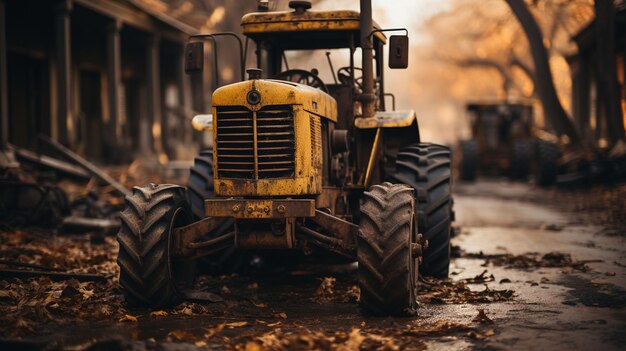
398	51
194	57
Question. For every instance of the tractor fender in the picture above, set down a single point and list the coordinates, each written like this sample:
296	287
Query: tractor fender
386	119
402	124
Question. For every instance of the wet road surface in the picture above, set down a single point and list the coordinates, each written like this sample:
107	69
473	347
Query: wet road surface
571	306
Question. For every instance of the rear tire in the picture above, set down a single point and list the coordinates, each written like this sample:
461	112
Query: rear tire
148	273
426	168
521	153
200	184
469	160
387	269
200	188
547	158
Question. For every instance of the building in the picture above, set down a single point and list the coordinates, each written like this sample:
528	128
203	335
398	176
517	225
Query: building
104	77
588	110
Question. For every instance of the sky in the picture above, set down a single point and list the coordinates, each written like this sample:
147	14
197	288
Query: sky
394	13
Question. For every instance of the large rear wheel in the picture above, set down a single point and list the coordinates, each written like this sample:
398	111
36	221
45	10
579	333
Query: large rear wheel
426	168
149	275
387	267
200	188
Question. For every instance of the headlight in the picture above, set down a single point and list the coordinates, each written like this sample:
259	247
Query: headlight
254	97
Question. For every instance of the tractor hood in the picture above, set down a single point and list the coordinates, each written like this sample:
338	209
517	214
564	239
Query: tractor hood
276	92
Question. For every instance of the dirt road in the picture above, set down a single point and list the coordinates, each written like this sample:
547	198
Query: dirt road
529	272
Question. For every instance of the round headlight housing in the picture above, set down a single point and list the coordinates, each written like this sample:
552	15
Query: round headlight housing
253	97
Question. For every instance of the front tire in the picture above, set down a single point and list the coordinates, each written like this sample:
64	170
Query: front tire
520	159
426	168
387	268
547	163
149	275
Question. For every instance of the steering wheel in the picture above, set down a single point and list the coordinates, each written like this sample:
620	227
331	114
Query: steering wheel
347	72
303	77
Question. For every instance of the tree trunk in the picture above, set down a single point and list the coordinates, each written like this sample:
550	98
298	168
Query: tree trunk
607	85
544	83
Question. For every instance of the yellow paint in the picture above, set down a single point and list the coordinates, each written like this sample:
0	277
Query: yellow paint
277	92
289	21
382	119
372	160
307	103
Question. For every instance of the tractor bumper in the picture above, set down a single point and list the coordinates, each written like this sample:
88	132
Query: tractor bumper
259	208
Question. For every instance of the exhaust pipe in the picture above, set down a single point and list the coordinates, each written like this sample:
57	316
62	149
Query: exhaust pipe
368	99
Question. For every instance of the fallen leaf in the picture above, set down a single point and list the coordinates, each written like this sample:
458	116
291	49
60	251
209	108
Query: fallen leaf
236	324
86	293
158	313
354	341
105	310
260	305
186	311
128	318
482	317
281	315
180	335
214	331
253	346
326	288
200	343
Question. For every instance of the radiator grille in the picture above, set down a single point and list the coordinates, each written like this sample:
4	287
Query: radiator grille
276	142
274	136
235	142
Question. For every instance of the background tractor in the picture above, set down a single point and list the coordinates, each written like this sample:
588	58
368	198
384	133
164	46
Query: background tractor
300	163
504	142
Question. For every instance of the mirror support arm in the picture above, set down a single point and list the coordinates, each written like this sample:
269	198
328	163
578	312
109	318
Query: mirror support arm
212	38
406	31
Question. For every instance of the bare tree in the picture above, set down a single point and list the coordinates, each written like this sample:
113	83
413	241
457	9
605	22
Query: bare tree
544	82
608	91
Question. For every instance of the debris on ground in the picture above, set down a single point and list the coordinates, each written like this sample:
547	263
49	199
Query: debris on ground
30	302
325	291
532	260
482	317
448	291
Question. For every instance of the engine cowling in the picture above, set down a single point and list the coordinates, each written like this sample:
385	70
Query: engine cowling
268	138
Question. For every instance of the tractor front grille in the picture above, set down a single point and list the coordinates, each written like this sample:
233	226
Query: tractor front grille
255	145
235	142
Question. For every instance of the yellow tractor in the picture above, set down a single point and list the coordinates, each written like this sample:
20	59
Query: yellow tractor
299	163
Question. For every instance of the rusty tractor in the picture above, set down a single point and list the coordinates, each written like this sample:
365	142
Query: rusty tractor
299	162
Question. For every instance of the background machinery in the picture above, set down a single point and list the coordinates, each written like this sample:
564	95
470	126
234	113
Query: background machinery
504	141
